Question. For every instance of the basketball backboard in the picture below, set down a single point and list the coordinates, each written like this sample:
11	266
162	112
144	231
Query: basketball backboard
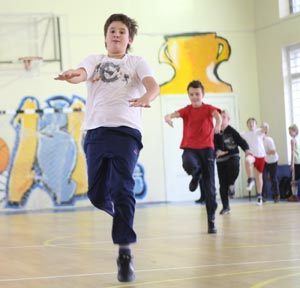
29	35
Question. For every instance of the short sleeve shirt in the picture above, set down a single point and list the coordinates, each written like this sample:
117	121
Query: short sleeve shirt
111	83
198	126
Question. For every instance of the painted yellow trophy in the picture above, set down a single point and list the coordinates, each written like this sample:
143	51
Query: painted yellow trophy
195	56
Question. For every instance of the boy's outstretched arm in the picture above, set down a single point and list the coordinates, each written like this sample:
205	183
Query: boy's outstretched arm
169	117
73	76
152	91
218	119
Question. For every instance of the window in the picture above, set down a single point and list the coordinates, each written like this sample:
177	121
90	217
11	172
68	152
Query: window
291	62
294	6
288	7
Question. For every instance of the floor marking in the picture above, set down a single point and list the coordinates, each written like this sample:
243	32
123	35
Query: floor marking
272	280
219	275
50	243
169	269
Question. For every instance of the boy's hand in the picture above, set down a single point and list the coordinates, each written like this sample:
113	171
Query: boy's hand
248	153
140	102
220	153
168	120
67	75
217	129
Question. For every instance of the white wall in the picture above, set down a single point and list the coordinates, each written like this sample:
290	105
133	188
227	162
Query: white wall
272	35
82	34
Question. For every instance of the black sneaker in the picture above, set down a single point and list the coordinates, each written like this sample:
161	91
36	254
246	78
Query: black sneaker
194	184
125	268
200	201
225	211
211	227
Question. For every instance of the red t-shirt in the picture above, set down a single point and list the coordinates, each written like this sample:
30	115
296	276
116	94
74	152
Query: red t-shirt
198	126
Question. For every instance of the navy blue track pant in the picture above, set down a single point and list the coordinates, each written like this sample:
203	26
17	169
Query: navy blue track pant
228	172
112	154
197	161
271	170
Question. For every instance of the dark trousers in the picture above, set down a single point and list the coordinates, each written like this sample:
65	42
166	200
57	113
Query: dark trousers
111	155
202	161
271	170
202	188
228	171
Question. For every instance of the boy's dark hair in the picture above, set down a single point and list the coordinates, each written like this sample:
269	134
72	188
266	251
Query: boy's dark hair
195	84
129	22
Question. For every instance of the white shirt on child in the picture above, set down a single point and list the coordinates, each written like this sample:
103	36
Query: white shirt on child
110	84
255	141
270	146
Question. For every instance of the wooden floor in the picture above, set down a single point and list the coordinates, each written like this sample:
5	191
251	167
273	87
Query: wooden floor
255	247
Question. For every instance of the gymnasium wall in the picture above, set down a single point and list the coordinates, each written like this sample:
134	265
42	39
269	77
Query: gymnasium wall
232	82
272	35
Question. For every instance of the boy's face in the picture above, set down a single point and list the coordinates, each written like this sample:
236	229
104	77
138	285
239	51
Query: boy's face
225	119
292	133
251	124
196	96
117	38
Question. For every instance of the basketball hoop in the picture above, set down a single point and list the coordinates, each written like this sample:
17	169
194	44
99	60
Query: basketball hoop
31	63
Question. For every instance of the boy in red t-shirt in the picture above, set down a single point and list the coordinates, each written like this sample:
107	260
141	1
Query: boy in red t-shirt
198	145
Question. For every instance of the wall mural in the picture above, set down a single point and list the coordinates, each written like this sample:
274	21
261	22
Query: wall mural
47	153
194	56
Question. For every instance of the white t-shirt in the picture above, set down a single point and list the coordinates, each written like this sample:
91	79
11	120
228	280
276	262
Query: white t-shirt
110	84
270	146
255	142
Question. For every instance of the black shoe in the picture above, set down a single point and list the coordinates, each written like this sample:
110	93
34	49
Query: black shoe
225	211
211	227
200	201
125	268
194	184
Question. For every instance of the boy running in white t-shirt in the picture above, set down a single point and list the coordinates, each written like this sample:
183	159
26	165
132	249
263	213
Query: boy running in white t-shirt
254	138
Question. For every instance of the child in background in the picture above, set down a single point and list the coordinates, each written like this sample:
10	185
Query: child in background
295	162
198	145
270	165
254	138
227	144
118	85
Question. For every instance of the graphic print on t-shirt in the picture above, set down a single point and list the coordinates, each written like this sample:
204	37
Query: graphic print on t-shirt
109	72
229	142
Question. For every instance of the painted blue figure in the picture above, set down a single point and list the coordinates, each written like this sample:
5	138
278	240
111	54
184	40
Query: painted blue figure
56	154
140	187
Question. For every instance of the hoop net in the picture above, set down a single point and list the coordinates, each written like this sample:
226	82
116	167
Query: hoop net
32	64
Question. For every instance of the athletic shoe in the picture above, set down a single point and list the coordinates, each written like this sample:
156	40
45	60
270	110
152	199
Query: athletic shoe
250	184
194	184
225	211
259	201
211	227
293	198
231	191
125	268
276	199
200	201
